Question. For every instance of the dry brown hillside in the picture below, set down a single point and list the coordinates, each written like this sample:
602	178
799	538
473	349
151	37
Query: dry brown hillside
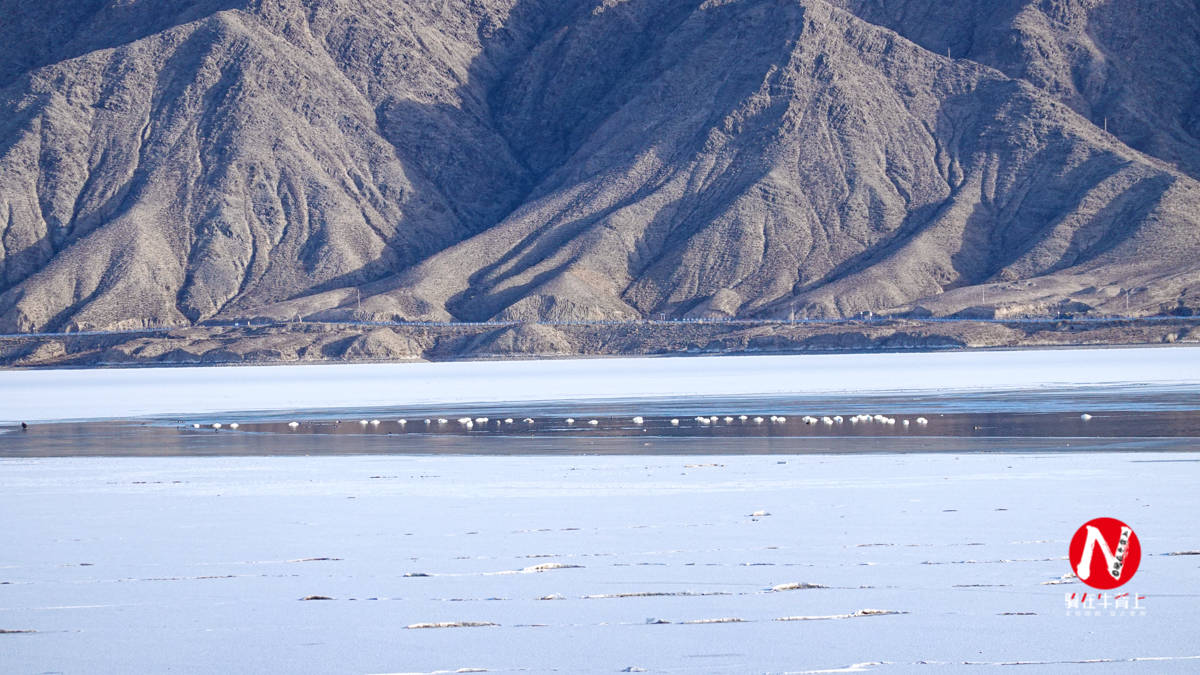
171	163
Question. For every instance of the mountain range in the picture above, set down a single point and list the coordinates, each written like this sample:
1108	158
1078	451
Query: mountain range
168	163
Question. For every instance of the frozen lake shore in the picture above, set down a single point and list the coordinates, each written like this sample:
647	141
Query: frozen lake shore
46	395
322	534
588	564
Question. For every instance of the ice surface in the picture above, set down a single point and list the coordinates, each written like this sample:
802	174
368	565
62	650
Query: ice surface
41	395
588	564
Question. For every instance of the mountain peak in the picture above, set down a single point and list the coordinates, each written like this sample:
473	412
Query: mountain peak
169	164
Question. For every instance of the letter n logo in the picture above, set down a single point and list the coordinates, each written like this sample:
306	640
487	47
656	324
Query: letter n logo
1105	553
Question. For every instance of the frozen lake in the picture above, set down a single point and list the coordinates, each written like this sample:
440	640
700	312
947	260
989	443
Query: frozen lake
752	519
43	395
200	564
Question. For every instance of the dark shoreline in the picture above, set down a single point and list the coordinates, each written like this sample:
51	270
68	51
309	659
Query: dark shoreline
336	342
157	446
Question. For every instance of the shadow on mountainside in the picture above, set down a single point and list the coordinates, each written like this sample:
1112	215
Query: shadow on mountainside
37	34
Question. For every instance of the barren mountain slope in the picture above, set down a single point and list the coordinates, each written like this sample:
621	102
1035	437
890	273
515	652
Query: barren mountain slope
779	159
169	162
242	158
1136	65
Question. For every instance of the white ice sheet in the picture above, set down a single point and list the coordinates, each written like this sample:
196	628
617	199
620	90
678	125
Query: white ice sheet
42	395
199	564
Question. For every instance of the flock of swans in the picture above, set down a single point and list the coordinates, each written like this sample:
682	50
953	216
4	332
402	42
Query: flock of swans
470	423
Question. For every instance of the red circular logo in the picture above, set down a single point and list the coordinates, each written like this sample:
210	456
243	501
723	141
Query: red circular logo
1105	553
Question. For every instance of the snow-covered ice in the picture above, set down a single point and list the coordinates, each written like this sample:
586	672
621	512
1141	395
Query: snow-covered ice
704	561
42	395
866	563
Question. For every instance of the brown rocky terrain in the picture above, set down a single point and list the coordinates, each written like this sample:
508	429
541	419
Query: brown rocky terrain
175	164
333	342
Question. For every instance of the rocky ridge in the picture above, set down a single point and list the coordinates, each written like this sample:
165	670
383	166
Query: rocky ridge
172	164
